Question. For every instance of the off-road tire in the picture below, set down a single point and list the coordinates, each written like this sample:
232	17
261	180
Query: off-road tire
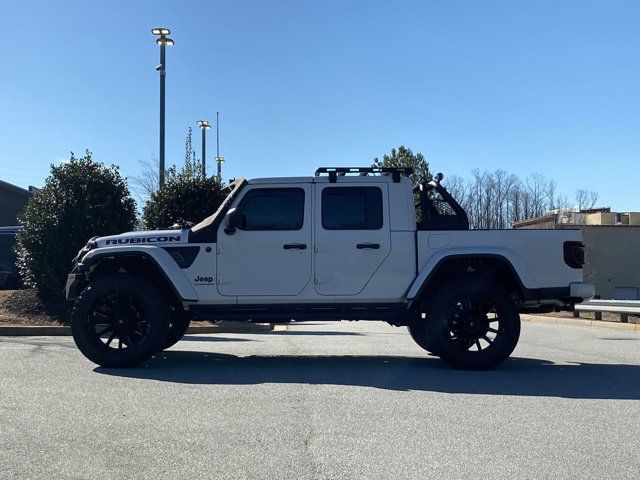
419	333
177	328
449	338
147	299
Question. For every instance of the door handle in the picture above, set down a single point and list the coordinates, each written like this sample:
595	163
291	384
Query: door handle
295	246
373	246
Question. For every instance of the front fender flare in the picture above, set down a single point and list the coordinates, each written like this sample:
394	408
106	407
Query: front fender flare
172	272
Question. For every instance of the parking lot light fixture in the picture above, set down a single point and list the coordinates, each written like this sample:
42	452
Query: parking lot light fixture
162	41
204	126
219	159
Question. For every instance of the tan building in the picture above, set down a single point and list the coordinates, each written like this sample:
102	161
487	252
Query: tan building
612	241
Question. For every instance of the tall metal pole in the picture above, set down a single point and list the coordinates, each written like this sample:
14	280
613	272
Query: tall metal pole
204	151
163	74
162	41
218	148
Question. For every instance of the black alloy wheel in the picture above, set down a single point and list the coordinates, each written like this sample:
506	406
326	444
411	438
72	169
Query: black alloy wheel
120	321
473	327
475	322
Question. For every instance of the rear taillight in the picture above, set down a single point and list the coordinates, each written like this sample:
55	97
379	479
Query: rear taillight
574	254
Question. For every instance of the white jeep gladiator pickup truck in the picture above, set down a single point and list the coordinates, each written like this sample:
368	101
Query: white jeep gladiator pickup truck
341	245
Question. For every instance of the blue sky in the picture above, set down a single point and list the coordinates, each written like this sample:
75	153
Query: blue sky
546	86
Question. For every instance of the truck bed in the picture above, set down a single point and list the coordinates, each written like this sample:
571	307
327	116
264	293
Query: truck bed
537	255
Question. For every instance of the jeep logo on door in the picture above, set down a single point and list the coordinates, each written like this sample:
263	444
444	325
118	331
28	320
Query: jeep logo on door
203	280
160	239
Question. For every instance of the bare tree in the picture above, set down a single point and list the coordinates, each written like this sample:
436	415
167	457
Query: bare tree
562	203
511	184
537	186
586	199
457	187
477	202
582	198
497	209
551	195
516	200
144	184
147	182
498	199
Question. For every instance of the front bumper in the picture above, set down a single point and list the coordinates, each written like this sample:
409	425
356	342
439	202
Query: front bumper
582	290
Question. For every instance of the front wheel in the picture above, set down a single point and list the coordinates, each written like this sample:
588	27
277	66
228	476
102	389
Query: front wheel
177	328
473	326
120	321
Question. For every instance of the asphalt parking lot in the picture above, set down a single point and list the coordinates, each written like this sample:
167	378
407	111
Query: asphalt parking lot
324	400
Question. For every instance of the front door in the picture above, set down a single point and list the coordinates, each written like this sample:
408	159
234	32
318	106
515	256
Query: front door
352	236
271	255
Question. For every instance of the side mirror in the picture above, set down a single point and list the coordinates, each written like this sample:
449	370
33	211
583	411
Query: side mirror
235	220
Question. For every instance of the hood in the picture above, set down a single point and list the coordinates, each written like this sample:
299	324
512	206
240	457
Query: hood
146	237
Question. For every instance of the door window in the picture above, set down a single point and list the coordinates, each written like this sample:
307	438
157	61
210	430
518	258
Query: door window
273	209
352	208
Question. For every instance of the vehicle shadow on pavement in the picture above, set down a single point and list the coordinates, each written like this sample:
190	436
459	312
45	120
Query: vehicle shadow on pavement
210	338
517	376
307	333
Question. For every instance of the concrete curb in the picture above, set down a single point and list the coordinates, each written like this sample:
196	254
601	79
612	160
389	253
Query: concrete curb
55	331
629	327
34	331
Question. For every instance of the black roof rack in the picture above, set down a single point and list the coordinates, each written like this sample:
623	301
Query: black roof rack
334	172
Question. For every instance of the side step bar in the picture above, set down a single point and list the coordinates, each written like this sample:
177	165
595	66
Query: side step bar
287	312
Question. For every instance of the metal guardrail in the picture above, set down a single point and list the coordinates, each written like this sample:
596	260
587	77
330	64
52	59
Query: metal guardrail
622	307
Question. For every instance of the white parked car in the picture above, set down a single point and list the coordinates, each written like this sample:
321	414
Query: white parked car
343	244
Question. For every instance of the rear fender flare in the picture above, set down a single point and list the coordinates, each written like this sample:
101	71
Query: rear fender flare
517	263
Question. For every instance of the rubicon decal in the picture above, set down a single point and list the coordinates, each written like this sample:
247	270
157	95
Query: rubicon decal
160	239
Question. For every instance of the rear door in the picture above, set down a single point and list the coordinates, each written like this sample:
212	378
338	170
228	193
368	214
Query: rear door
352	236
272	255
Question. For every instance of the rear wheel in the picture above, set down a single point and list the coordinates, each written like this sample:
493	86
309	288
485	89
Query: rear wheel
473	326
120	321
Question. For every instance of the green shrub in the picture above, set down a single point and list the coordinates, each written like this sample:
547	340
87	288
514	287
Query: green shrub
185	195
80	199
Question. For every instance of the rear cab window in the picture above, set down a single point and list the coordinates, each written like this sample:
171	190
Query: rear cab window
352	208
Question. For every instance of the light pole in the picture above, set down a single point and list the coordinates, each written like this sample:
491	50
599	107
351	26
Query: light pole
162	41
204	126
219	159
